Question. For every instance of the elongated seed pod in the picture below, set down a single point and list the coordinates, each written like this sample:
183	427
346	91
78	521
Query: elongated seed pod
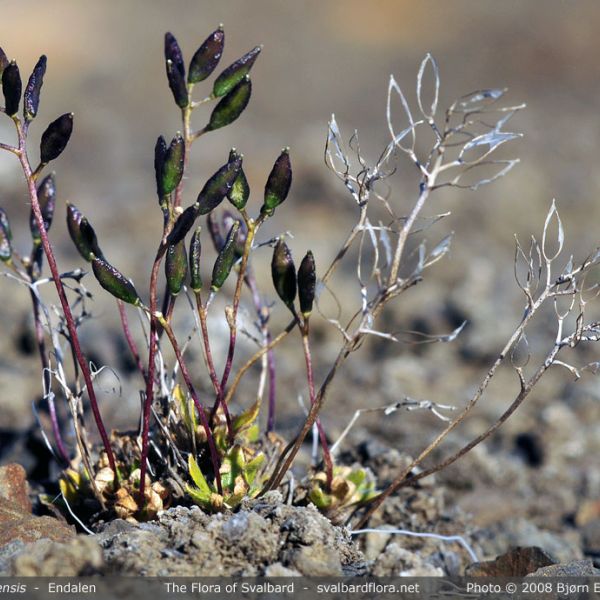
173	165
160	152
214	230
5	237
183	224
11	88
176	70
231	106
195	253
307	280
225	260
82	234
31	98
235	72
207	57
114	282
240	239
46	194
240	191
278	183
218	186
283	273
176	267
4	62
56	137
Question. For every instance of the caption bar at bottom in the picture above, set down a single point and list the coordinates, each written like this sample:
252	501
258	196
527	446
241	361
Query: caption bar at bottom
295	588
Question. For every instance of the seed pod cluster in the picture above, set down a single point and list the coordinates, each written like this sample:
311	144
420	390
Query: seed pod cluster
207	57
56	137
176	71
46	194
11	88
278	183
225	259
5	237
31	98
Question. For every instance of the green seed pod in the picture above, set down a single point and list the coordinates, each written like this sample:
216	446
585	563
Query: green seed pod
218	186
5	225
235	72
283	273
114	282
215	232
240	238
46	194
183	225
240	191
11	88
176	70
82	234
225	260
173	165
307	280
207	57
195	253
56	137
176	267
278	183
4	62
231	106
31	98
160	152
5	237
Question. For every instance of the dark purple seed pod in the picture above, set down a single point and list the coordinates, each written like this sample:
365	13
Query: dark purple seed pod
240	239
176	267
56	137
82	234
5	237
183	225
160	152
5	224
173	165
218	186
307	281
215	232
31	98
114	282
46	194
195	254
11	88
283	273
225	260
235	72
4	62
278	183
231	106
176	70
207	57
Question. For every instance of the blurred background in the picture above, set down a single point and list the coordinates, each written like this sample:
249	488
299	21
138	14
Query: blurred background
105	64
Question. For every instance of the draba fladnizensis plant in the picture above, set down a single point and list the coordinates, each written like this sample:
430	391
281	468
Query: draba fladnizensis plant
190	449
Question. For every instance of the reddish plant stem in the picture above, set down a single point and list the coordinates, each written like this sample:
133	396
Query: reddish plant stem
311	391
206	341
74	339
129	338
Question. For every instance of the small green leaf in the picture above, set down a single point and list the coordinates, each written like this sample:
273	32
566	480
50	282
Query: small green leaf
114	282
283	273
278	183
46	194
176	267
31	98
307	279
225	259
195	253
207	57
252	467
235	72
321	500
56	137
82	234
218	186
198	496
246	419
197	476
11	88
231	106
173	165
